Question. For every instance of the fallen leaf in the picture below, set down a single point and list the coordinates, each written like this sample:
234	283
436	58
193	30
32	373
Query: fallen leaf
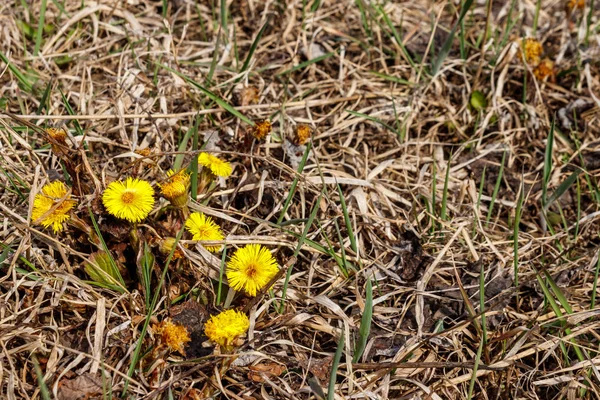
85	386
257	372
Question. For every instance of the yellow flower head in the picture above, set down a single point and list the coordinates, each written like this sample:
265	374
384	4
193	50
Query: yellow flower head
224	328
544	70
204	228
533	51
144	152
302	134
52	206
261	129
217	166
165	246
131	199
173	335
57	134
251	268
575	4
175	187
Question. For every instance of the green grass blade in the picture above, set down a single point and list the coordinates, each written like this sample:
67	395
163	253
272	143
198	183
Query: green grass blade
334	367
307	63
397	37
213	63
563	187
516	224
70	110
365	323
475	368
253	47
547	164
443	215
344	261
292	191
482	302
27	86
225	105
147	267
221	273
536	17
113	264
301	241
40	28
347	221
496	189
377	120
595	287
138	348
44	391
445	50
45	97
391	78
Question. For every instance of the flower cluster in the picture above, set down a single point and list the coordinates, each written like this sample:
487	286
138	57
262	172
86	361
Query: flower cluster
251	268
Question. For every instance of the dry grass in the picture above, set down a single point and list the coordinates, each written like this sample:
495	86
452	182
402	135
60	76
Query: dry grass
434	187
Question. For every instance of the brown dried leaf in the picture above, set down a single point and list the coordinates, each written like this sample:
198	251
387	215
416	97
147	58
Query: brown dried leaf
257	372
85	386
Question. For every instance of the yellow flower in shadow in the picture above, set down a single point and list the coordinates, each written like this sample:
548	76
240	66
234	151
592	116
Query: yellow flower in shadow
175	187
51	208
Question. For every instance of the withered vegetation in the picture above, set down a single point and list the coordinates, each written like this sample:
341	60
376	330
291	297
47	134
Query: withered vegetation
426	177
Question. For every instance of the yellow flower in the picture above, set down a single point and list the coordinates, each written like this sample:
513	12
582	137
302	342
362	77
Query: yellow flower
217	166
52	206
59	140
575	4
261	129
132	199
173	335
165	246
544	70
204	228
302	134
533	51
251	268
57	134
175	187
224	328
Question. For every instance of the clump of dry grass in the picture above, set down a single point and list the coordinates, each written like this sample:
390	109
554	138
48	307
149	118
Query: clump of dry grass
429	194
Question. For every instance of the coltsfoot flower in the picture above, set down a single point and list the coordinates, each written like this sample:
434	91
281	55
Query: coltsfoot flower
302	134
131	199
251	268
217	166
175	187
204	228
225	327
51	208
165	246
59	137
544	69
261	129
533	51
173	335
